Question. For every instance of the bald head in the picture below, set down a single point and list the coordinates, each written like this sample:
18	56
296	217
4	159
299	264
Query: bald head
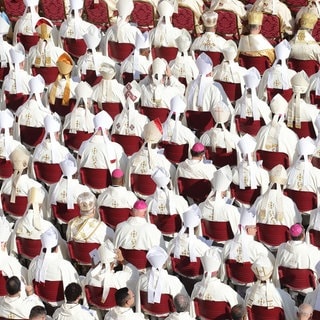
305	311
181	303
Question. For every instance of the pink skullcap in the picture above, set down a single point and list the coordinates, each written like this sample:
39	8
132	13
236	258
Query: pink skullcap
117	173
296	230
140	205
198	147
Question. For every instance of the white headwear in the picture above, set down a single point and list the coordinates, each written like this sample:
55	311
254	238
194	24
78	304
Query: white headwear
247	145
49	240
52	124
37	85
278	176
6	122
77	5
107	256
300	84
68	168
204	65
83	92
17	54
92	39
124	7
103	121
34	15
230	51
165	10
156	256
162	178
282	51
142	42
305	148
263	269
177	107
211	262
191	219
252	80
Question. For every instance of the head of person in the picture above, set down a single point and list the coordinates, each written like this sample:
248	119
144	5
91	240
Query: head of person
210	19
44	28
124	298
87	204
125	8
13	286
38	313
152	133
159	70
76	7
248	221
142	44
139	209
305	312
198	151
305	148
239	312
73	292
49	241
117	177
297	232
102	123
308	21
181	303
255	22
247	145
222	179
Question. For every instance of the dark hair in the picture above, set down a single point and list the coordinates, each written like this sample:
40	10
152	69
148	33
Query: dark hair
197	154
37	311
181	303
122	296
72	292
238	312
13	285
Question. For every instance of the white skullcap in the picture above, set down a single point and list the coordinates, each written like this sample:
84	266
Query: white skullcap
306	146
142	40
220	112
5	229
211	261
92	38
51	124
4	25
222	178
252	78
17	53
278	174
49	239
282	50
124	7
161	177
76	4
69	166
165	9
157	257
248	217
279	105
102	120
262	268
300	82
204	64
247	144
83	90
230	50
36	84
192	217
6	119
